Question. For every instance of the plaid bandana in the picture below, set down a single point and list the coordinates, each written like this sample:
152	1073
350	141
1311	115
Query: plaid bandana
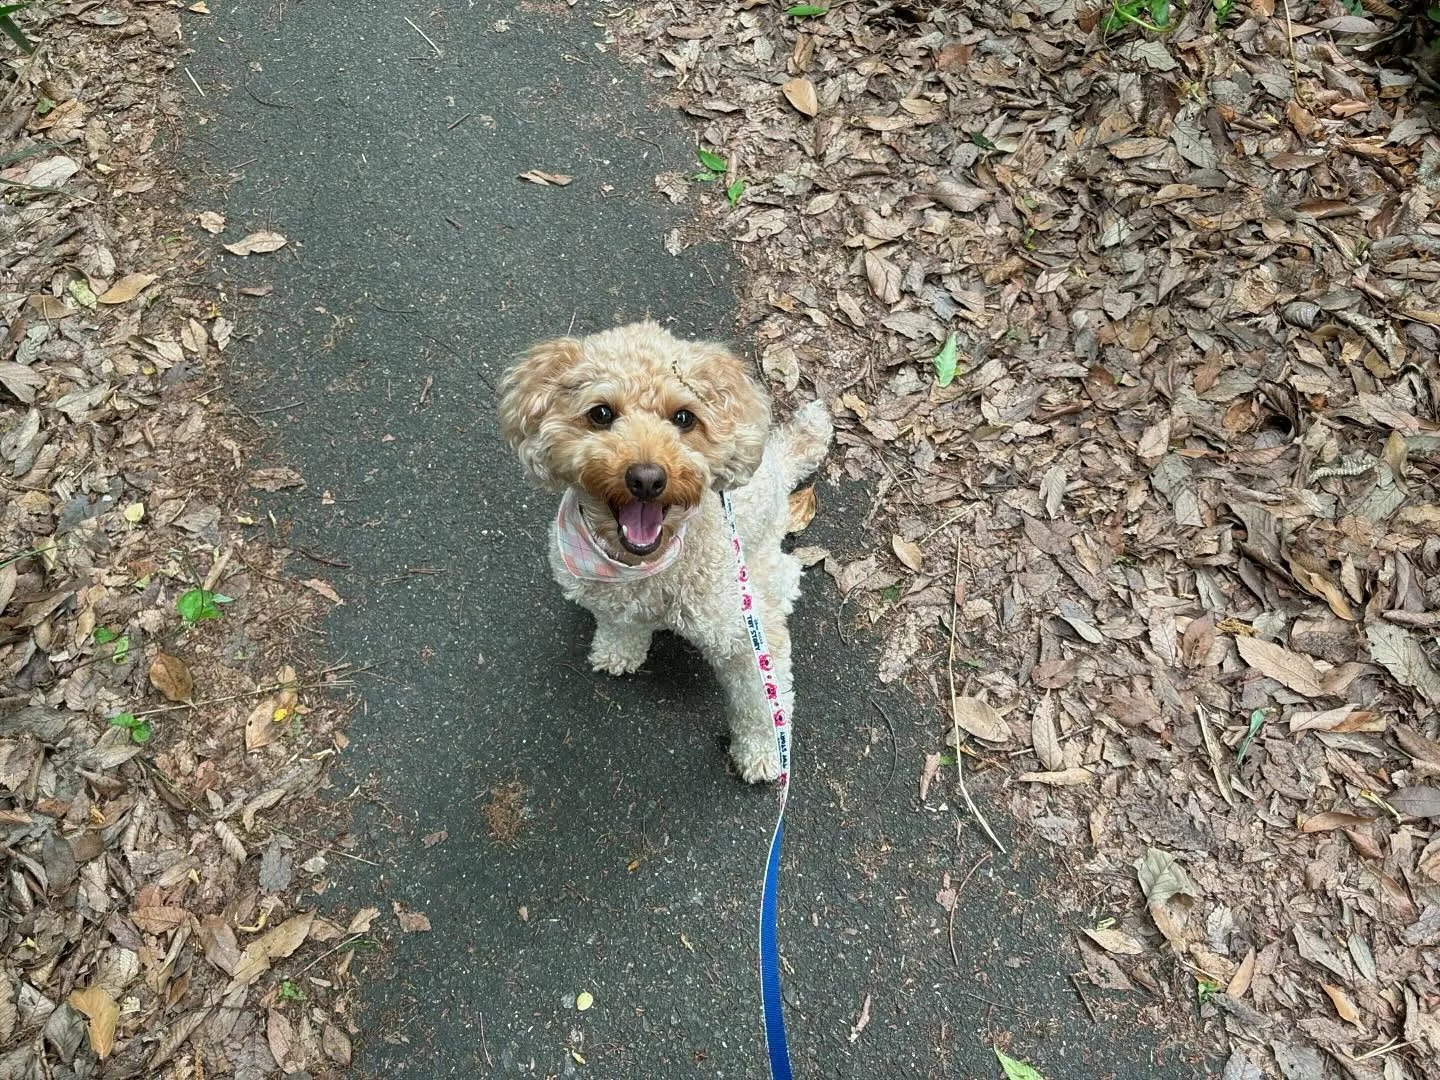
583	556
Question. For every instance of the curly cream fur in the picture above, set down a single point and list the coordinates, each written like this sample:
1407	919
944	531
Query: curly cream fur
645	374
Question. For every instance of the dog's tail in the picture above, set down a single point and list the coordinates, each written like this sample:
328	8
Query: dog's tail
806	439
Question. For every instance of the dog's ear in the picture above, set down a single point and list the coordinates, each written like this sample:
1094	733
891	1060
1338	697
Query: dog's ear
528	391
737	414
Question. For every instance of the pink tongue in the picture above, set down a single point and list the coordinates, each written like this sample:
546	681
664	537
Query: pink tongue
641	522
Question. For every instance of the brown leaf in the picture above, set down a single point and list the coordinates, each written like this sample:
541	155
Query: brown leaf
802	509
1043	736
884	277
546	179
323	588
171	677
260	727
977	717
908	552
360	924
103	1011
159	919
1240	981
1196	641
126	289
801	94
1344	1007
1400	653
274	944
211	222
1116	941
1285	667
257	243
411	922
927	774
1332	819
285	1047
336	1045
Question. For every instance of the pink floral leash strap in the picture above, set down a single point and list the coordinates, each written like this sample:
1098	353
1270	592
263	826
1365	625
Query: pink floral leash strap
775	1042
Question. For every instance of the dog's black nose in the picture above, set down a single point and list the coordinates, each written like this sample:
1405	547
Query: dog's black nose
645	481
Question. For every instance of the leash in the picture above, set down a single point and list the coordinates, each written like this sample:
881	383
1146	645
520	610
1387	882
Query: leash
775	1042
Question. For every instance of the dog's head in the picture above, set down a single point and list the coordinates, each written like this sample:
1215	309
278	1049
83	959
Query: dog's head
641	422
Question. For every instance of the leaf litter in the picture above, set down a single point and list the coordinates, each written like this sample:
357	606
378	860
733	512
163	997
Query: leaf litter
1148	325
155	915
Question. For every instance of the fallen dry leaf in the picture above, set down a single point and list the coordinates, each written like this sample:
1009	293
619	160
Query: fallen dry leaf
285	1047
171	677
1116	941
1344	1007
126	289
260	727
801	94
1058	778
103	1012
1285	667
274	944
411	922
257	243
324	589
908	552
211	222
1333	820
978	718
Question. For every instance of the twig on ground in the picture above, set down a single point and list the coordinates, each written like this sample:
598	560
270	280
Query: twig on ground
1083	999
438	53
894	745
248	694
327	850
950	929
954	716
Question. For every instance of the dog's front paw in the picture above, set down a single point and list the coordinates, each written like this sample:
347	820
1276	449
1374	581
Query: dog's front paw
617	657
757	760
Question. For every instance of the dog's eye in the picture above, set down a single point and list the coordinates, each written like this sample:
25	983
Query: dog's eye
683	419
601	415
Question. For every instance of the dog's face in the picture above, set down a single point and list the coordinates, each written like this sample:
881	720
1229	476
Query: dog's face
641	422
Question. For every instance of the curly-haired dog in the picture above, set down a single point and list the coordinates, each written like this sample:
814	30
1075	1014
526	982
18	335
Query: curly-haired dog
639	430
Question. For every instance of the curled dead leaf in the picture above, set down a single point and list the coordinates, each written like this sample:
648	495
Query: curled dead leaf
908	552
323	588
1116	941
260	728
171	677
1344	1007
1332	820
1058	778
546	179
274	944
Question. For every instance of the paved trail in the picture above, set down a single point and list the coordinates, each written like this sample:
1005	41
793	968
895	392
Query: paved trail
418	265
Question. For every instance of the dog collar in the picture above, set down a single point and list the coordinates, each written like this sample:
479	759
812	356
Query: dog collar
583	556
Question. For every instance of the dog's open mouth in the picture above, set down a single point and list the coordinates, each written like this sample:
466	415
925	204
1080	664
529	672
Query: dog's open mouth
640	524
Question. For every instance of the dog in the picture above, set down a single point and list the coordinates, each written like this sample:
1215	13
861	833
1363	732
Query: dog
637	431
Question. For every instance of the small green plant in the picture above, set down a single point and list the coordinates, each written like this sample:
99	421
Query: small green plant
1015	1070
290	992
947	360
1354	7
1433	13
10	29
1257	720
103	635
1205	989
138	727
714	168
198	605
1153	15
806	11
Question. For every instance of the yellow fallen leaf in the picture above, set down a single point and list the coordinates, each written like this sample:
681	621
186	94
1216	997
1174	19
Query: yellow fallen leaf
584	1000
102	1011
134	513
126	289
1344	1007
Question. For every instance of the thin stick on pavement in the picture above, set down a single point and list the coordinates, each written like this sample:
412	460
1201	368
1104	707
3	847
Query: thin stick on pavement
954	715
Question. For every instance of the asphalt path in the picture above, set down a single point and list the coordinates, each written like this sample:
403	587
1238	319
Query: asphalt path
418	265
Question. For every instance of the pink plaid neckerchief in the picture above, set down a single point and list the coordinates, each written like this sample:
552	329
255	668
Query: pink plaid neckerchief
583	556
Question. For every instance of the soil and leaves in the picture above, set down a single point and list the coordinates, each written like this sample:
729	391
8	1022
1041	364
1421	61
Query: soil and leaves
1130	317
161	722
